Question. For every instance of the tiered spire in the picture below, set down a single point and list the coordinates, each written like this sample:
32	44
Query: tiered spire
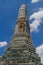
22	11
21	50
22	25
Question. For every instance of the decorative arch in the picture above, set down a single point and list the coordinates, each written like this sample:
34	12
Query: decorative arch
21	27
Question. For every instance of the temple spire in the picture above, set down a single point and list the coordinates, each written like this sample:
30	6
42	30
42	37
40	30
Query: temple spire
22	25
21	50
22	11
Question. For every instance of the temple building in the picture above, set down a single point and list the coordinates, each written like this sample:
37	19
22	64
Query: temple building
21	50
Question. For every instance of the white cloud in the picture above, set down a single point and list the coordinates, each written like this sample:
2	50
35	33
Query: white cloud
39	50
40	8
34	1
2	44
37	16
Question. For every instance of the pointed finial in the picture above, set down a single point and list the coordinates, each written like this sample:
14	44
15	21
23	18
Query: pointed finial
22	11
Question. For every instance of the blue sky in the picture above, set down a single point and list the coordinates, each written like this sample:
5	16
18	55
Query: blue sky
8	16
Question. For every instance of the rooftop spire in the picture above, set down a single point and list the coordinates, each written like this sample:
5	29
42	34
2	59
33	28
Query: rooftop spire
22	11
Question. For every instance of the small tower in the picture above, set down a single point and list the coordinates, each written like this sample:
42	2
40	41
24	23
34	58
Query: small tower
21	50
